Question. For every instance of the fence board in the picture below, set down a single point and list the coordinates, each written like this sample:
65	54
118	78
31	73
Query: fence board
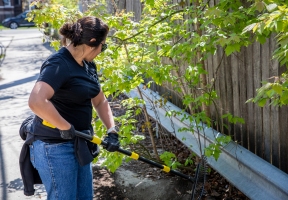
243	96
235	86
135	7
283	133
229	84
275	143
217	70
222	87
265	59
121	4
130	6
250	125
258	110
283	139
275	155
210	78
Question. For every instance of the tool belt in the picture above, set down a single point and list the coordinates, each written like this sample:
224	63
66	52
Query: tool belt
42	130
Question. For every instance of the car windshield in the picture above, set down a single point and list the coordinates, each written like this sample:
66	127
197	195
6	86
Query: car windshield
24	14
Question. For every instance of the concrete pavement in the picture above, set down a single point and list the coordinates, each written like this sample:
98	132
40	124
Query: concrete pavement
25	51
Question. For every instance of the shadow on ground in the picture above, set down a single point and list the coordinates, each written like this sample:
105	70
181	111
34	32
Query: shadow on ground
19	82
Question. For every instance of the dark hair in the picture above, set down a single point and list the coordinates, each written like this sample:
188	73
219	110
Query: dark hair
82	31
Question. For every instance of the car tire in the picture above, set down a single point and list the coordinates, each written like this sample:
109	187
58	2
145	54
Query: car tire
13	25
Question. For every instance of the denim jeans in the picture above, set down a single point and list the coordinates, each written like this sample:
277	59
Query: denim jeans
60	172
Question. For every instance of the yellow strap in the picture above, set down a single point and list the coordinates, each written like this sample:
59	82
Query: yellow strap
135	156
45	123
96	140
166	169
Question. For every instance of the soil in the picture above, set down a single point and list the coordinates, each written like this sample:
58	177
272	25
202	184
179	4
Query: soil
137	180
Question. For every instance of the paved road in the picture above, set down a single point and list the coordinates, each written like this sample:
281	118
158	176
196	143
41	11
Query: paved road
25	51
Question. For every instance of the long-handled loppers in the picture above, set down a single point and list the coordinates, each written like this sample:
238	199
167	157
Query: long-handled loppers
96	140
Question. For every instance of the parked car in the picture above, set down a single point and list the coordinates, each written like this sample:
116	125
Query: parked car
19	20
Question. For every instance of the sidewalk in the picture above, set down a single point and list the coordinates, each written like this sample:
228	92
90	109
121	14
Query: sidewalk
25	52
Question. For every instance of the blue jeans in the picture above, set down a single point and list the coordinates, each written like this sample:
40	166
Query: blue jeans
60	172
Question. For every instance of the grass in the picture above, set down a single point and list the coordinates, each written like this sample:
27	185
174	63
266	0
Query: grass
2	27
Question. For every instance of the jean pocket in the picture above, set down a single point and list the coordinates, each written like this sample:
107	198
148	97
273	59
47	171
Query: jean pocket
59	148
32	157
60	154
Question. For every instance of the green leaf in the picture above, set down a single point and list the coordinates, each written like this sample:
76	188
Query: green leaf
278	88
260	6
235	38
222	41
231	48
150	2
249	28
270	93
261	39
284	96
262	102
208	152
134	68
279	26
261	28
188	161
55	44
213	12
271	7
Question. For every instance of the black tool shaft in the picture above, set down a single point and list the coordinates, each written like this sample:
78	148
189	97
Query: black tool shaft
133	155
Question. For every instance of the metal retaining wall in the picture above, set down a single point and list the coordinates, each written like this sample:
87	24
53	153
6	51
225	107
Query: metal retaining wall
252	175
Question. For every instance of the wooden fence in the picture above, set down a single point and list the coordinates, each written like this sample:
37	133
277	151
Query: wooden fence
265	131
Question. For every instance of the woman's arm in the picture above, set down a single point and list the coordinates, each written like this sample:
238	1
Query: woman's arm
101	104
103	109
42	107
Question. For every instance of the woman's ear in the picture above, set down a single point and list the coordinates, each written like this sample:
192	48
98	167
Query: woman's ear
92	40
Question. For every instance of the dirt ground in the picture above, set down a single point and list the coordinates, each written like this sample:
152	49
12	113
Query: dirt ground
137	180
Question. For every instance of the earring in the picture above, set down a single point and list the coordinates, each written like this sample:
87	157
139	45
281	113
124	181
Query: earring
91	48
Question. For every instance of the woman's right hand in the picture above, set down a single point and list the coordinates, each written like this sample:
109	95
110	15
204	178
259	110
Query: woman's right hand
68	134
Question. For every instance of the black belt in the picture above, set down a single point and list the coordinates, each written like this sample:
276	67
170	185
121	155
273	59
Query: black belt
54	141
49	126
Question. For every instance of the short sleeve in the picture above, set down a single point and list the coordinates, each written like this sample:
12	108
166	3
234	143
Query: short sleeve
55	72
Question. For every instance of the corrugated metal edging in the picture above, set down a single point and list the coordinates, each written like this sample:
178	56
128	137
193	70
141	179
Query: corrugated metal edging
252	175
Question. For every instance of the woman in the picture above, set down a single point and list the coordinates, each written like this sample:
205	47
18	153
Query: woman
62	101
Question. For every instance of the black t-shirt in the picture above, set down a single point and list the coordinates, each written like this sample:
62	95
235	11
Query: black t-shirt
74	87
